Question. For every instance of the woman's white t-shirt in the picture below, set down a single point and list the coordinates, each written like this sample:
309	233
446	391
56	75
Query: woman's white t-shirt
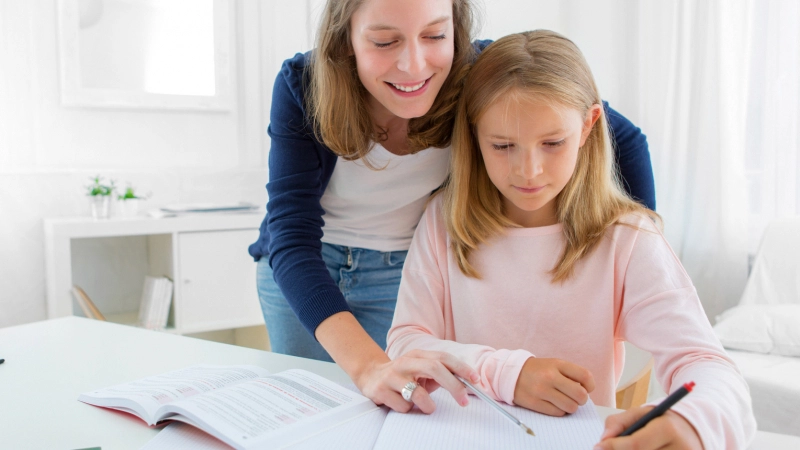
380	209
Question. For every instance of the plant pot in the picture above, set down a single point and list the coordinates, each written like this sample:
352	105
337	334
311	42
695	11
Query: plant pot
128	207
101	206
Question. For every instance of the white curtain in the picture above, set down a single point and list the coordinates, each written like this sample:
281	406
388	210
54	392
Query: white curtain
691	62
773	116
717	88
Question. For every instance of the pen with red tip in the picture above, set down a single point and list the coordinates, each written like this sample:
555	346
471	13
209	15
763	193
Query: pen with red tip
660	409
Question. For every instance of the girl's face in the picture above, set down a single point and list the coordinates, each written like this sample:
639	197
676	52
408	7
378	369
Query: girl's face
404	51
530	149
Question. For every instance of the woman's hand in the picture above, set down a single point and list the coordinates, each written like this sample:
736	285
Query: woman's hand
552	386
383	381
670	431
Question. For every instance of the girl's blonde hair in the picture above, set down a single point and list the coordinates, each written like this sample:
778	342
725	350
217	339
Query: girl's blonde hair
337	98
546	66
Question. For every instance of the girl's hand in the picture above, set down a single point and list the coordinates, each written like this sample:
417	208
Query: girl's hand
552	386
383	381
670	431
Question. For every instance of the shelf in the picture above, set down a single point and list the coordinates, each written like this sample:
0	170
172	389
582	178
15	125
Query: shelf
86	227
131	319
204	254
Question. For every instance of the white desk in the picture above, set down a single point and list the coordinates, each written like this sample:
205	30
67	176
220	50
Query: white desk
49	363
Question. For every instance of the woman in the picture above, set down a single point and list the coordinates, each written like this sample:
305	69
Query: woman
360	131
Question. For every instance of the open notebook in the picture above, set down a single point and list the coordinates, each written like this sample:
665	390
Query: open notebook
475	426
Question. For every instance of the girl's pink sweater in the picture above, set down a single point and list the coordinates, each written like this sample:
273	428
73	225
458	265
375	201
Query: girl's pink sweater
631	287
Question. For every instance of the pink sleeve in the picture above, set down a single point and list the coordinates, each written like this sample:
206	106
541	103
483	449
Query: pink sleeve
661	313
423	316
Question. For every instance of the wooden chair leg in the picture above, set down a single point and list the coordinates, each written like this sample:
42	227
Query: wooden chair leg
634	394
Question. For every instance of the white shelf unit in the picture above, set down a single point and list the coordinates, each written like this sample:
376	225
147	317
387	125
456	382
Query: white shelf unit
204	254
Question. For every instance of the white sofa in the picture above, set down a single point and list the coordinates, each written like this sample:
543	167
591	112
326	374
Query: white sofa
774	382
762	334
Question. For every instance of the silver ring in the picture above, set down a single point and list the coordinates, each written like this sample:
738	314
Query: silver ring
408	389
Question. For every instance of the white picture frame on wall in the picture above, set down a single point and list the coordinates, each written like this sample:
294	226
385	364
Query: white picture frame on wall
217	94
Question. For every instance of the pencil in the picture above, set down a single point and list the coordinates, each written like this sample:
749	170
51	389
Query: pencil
495	405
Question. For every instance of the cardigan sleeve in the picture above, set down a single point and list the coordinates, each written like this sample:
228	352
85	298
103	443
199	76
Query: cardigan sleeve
632	155
299	168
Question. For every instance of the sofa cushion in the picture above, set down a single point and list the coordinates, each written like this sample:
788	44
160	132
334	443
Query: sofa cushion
772	329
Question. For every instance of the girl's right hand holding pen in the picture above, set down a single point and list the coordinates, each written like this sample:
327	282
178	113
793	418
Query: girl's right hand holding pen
553	386
670	431
651	427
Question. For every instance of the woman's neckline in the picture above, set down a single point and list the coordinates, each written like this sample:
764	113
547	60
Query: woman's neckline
398	147
385	152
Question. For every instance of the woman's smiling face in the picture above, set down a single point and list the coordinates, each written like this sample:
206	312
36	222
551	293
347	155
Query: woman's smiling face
404	51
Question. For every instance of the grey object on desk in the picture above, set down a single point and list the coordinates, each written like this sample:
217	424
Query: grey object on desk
208	207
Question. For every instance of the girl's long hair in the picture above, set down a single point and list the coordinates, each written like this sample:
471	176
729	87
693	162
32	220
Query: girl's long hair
543	65
337	100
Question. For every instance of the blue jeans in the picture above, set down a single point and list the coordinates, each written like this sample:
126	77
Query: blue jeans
369	284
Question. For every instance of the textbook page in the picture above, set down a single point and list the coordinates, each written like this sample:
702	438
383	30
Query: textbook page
145	397
182	436
360	433
479	426
273	411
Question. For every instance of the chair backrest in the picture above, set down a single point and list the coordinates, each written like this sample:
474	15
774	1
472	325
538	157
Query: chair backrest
87	305
775	277
634	382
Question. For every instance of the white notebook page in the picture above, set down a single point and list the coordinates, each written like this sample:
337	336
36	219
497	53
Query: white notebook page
479	426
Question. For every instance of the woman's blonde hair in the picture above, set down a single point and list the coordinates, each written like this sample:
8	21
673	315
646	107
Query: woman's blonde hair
337	98
546	66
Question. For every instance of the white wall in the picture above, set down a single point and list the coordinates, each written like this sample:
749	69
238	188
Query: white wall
48	152
603	31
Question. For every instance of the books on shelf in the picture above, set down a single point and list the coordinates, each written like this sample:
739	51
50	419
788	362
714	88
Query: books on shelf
245	407
155	303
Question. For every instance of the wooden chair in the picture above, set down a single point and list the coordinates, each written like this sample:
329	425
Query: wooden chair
635	380
87	305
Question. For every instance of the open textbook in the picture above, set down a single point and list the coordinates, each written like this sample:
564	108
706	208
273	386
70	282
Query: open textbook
244	407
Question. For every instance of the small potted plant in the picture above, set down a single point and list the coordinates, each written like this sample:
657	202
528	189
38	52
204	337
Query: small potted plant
99	193
128	203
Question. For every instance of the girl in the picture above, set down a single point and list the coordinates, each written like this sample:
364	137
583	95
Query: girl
378	92
533	266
